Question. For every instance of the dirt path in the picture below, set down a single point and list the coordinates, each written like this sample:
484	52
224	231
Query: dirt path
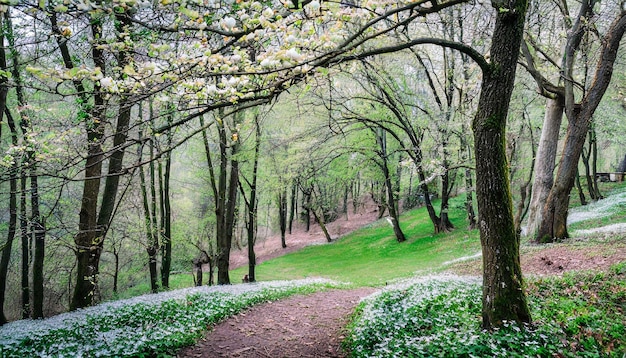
299	326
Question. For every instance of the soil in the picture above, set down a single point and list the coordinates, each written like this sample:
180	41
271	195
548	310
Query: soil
314	325
557	259
298	326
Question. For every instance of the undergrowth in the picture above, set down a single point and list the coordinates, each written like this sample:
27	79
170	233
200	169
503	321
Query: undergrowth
145	326
578	315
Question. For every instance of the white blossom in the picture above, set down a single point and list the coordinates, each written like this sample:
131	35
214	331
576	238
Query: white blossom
228	23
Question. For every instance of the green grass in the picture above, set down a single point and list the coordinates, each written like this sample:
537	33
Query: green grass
371	256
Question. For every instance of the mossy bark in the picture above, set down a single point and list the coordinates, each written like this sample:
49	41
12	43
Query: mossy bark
503	294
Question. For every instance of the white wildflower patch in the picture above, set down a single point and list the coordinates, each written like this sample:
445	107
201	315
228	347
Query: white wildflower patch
595	210
463	259
435	316
613	228
142	326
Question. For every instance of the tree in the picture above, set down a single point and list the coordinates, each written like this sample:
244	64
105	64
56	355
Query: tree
550	197
224	185
503	289
251	203
554	221
392	199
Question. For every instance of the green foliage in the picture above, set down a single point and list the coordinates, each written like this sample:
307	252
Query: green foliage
439	317
578	315
588	307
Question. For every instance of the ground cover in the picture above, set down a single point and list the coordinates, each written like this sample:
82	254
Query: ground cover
578	315
148	325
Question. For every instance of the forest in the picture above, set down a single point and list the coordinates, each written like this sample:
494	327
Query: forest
142	139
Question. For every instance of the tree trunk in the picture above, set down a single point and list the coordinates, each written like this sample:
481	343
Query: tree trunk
306	198
252	207
320	220
166	220
585	156
445	225
545	162
88	240
149	210
292	206
39	235
116	272
25	241
579	188
282	215
503	289
12	227
594	162
554	224
381	138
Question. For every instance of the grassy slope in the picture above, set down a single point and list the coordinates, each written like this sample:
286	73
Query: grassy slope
371	256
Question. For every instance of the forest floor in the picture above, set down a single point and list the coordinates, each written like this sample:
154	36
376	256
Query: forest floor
314	325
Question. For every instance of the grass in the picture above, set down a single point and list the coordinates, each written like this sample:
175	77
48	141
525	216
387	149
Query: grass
371	256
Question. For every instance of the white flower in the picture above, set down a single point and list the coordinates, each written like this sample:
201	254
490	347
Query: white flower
268	12
267	63
106	82
293	54
228	22
314	5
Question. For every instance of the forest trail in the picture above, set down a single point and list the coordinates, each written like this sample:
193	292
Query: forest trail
299	326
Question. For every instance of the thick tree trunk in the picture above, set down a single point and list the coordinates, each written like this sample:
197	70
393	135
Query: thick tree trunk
545	162
503	289
554	224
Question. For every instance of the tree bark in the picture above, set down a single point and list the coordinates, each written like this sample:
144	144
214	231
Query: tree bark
503	289
554	224
39	235
545	163
12	225
391	198
282	215
252	205
166	218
